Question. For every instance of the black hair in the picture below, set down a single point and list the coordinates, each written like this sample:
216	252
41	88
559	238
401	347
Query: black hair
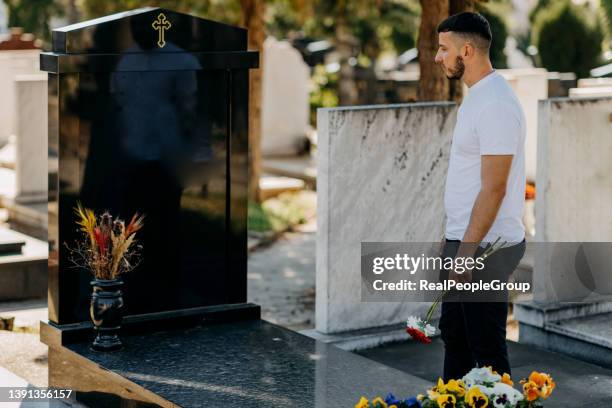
470	25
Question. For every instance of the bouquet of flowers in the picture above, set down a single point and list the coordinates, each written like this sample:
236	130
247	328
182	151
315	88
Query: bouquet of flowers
108	248
421	330
480	388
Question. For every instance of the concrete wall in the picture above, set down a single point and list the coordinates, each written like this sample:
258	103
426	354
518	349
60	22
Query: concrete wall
381	174
574	196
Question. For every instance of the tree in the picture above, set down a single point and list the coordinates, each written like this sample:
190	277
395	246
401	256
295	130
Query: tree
33	16
569	38
606	6
500	34
433	85
335	15
253	12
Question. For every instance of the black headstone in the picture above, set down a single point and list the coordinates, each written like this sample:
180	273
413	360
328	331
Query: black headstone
151	108
148	112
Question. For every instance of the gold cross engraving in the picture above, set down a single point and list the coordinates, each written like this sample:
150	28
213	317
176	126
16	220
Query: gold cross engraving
161	25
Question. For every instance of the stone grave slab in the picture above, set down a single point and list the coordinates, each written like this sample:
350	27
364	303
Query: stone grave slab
276	368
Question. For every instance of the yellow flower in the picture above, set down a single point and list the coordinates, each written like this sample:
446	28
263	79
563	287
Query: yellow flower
420	397
530	390
363	403
507	380
436	390
440	387
379	403
456	387
476	399
446	401
432	395
392	406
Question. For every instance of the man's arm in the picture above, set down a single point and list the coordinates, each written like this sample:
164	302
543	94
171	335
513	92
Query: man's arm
494	176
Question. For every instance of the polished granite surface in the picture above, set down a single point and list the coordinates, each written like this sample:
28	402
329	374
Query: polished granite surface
249	364
143	125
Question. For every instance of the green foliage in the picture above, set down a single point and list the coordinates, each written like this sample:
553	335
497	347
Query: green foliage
500	33
569	38
376	24
220	10
323	94
282	212
393	25
33	16
540	5
606	7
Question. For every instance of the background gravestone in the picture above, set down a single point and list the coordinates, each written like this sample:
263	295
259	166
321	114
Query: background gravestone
571	310
381	174
17	57
285	99
530	85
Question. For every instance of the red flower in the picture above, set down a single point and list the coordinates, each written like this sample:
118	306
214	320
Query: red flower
530	191
100	240
418	335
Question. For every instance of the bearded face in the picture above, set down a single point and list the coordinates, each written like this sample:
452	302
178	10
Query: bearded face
456	71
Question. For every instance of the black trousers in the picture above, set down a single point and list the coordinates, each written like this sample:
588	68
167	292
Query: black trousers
474	331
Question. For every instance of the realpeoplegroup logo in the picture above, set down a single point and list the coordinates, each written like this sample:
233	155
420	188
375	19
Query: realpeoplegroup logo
448	285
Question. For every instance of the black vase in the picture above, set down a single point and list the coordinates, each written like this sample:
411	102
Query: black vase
106	312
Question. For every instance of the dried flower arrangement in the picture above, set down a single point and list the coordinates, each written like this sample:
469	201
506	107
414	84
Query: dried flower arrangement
108	248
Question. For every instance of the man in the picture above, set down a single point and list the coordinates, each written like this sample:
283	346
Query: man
484	196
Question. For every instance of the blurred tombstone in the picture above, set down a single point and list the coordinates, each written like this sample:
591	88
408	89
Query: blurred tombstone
31	161
19	54
594	82
285	104
591	92
559	83
27	208
530	85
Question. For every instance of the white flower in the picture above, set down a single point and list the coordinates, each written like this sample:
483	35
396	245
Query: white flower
508	394
479	376
414	322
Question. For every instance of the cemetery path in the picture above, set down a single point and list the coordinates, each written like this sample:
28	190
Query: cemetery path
281	278
21	351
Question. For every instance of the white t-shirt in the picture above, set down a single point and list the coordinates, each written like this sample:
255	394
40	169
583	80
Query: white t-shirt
490	121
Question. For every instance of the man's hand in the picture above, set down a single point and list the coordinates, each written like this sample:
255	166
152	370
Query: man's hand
463	276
